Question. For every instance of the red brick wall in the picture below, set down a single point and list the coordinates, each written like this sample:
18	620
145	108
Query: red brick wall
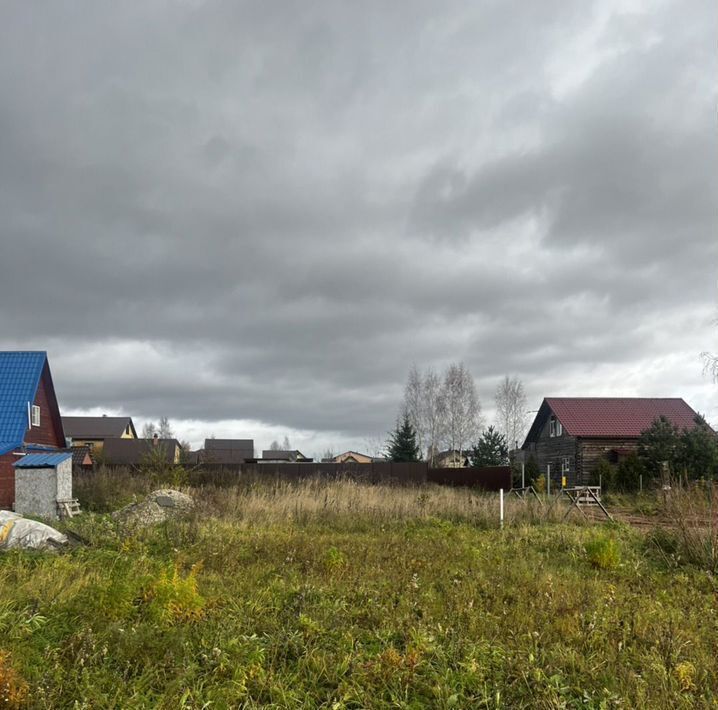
7	481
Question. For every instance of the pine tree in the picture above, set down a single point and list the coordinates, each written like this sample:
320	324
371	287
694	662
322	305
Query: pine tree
402	442
491	449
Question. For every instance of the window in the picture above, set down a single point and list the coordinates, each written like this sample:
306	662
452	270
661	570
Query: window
565	466
554	427
35	415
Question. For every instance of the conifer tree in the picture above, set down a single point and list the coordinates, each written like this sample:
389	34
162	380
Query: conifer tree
491	449
402	442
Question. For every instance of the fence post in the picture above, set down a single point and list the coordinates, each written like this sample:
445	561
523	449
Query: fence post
548	479
501	507
640	483
523	475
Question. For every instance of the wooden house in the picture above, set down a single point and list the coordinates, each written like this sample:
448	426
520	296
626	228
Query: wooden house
30	419
570	435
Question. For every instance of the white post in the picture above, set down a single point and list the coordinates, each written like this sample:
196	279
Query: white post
501	507
523	475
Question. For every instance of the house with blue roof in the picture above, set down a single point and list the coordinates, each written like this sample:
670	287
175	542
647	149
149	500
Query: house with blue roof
30	421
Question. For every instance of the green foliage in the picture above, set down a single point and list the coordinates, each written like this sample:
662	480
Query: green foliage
491	449
628	473
604	475
402	442
603	552
657	444
531	470
698	455
692	453
173	597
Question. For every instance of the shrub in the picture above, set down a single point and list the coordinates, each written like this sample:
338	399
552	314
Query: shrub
174	598
540	484
604	553
604	475
628	475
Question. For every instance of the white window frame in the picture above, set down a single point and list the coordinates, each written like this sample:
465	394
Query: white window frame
35	415
565	465
554	427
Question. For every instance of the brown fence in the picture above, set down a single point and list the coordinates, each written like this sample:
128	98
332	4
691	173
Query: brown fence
488	478
398	473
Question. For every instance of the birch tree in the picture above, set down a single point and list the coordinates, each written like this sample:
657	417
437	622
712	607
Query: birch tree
511	413
462	407
433	413
413	405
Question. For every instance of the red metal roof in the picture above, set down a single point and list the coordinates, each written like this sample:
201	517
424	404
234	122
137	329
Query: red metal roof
618	416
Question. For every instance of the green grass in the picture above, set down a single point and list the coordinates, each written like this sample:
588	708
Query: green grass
356	610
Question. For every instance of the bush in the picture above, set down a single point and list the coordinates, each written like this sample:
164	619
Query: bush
604	553
604	475
628	475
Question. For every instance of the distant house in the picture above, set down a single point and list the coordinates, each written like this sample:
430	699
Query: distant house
292	456
136	452
450	459
570	435
82	458
94	431
226	451
30	419
352	457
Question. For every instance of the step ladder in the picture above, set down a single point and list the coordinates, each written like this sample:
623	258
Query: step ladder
68	508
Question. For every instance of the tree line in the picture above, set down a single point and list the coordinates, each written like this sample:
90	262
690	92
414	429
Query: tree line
442	412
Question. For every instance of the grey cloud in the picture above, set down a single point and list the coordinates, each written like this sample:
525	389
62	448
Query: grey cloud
293	203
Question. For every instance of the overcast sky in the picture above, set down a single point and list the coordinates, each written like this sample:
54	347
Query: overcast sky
252	217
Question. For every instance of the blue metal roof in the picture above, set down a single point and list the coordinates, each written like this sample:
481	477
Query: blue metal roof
20	374
42	460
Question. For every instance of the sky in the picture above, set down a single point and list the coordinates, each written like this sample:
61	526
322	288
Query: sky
254	217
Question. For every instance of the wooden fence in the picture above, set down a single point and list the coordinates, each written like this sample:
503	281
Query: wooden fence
490	478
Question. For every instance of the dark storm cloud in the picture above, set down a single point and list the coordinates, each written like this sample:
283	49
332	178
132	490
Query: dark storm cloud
220	210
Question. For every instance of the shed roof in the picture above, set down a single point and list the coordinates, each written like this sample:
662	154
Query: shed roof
43	460
20	373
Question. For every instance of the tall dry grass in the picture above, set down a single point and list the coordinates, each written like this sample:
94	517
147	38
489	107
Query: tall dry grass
317	501
690	513
341	502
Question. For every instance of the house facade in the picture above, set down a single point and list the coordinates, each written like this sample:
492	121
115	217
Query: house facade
29	414
92	432
571	435
137	452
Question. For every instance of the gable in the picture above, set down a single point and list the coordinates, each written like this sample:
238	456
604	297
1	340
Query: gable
609	417
24	380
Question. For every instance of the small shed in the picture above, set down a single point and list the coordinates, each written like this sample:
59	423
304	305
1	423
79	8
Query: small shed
43	485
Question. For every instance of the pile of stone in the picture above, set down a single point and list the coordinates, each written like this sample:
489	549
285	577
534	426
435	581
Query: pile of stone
159	506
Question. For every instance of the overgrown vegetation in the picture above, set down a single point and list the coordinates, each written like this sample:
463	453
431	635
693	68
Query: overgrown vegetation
340	595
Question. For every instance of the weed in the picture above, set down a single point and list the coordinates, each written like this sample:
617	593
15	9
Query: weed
13	689
603	552
174	598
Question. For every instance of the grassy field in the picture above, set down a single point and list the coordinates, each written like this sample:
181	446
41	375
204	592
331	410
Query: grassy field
346	596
